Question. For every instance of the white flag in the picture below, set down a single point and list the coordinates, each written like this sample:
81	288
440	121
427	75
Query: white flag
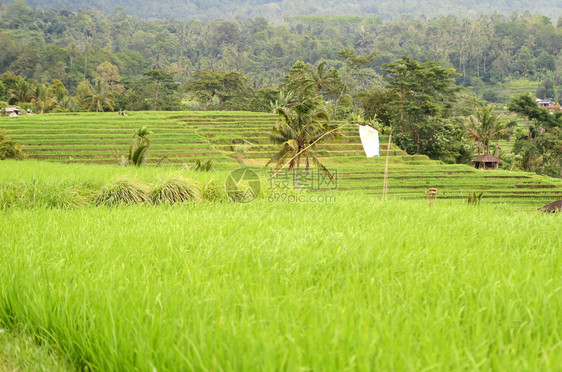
370	140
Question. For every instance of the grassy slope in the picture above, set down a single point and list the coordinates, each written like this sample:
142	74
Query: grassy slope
517	87
481	286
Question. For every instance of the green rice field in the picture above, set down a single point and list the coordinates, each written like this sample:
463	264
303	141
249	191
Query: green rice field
352	285
328	278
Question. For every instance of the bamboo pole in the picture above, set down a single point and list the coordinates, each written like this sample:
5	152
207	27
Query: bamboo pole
385	180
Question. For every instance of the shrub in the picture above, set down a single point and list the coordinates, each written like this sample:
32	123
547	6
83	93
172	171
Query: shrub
175	189
474	198
9	149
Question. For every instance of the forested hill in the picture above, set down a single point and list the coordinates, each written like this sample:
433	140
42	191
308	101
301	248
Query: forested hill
48	45
277	10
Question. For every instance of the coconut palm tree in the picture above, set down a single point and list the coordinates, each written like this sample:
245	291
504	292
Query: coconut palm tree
99	98
301	123
325	80
42	97
320	79
485	126
21	92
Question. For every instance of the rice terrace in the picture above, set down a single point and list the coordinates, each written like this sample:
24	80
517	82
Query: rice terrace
280	186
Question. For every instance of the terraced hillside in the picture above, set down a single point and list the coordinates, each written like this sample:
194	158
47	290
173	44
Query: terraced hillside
239	137
93	138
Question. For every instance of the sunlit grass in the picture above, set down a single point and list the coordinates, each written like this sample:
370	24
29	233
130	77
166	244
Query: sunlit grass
267	286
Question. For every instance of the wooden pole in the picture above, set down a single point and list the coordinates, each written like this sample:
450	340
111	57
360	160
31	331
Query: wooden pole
385	181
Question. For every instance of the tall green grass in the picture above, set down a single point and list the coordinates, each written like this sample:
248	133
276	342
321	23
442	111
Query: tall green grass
271	286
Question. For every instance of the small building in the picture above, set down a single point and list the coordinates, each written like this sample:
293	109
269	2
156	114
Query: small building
12	111
543	103
549	105
486	161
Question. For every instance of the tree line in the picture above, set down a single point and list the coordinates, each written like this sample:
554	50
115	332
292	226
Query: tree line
278	10
45	45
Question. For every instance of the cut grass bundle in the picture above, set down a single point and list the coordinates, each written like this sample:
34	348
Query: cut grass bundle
42	194
213	191
124	192
175	189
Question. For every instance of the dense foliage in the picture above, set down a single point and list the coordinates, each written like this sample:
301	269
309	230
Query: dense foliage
45	45
539	147
9	149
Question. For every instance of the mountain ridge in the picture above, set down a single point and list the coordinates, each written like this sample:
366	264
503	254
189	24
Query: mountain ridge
277	10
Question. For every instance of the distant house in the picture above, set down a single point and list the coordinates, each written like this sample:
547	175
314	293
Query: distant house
486	161
549	105
12	111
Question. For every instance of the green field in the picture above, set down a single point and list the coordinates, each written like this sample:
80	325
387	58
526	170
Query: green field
183	137
326	278
352	285
517	87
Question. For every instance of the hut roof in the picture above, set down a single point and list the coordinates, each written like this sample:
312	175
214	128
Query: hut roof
486	158
552	207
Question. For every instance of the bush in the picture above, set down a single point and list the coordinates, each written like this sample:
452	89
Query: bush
491	95
213	191
9	149
203	166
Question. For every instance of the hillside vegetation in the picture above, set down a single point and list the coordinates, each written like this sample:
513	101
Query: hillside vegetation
277	10
46	44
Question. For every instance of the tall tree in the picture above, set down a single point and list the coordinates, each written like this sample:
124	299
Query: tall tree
485	126
22	91
540	148
43	98
231	89
98	98
301	123
423	92
108	75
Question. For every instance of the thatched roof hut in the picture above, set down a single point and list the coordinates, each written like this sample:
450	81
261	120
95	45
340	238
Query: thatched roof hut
12	111
552	207
486	161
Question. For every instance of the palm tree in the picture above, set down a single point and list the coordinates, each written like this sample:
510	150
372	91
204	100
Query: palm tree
485	126
22	92
327	80
284	98
139	147
320	79
99	98
42	99
301	124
